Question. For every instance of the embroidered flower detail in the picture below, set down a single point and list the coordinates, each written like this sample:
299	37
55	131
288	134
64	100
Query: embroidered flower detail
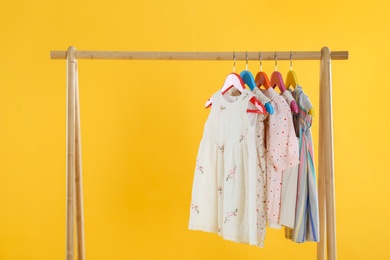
221	148
200	168
195	207
220	190
232	173
241	138
230	215
222	108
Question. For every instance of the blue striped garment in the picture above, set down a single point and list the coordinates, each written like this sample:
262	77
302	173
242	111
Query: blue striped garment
306	226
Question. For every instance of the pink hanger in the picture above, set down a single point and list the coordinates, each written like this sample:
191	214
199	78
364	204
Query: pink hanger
234	80
277	80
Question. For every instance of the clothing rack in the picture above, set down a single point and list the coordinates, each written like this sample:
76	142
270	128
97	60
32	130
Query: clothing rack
326	190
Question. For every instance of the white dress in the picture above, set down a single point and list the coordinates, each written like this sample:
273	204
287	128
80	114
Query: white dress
224	187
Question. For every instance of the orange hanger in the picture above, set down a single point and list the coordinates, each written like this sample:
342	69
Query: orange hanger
262	80
261	77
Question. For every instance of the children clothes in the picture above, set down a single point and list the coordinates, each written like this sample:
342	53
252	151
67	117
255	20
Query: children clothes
282	153
225	178
253	169
261	195
288	96
289	185
306	226
289	196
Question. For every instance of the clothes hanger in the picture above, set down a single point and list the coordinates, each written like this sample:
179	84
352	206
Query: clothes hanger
277	80
261	77
234	80
262	80
292	80
248	79
247	76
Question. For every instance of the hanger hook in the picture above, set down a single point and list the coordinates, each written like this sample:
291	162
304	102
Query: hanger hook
234	63
246	60
261	62
291	60
276	62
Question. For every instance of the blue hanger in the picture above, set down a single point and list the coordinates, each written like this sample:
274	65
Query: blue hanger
248	79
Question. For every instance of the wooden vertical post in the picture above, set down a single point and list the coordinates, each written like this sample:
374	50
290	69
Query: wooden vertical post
79	181
70	150
326	168
321	253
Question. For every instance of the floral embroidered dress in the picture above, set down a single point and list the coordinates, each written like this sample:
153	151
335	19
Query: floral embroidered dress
224	187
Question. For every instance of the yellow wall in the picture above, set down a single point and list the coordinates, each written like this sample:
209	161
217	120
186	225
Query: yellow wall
142	121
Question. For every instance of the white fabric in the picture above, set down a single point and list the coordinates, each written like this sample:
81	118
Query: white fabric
224	187
288	96
260	96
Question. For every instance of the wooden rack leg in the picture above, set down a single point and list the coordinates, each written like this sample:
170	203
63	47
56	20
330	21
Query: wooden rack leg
79	182
326	169
70	152
321	207
321	253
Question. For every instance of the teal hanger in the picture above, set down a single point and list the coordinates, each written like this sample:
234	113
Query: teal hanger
248	79
247	76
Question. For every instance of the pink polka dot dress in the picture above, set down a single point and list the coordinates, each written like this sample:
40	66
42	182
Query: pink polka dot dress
282	152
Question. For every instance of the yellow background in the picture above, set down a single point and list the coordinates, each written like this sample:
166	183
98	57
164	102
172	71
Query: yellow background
142	121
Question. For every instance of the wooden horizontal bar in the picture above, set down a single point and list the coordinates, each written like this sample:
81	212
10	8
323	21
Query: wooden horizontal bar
129	55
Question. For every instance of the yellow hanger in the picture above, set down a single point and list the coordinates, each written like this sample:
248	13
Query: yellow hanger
292	80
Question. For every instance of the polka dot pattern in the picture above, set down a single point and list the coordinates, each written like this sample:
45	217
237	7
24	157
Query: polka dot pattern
281	153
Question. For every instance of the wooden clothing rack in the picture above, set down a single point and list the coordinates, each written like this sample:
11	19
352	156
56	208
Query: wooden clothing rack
326	190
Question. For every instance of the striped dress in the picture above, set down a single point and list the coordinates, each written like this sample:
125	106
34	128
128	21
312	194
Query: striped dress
306	227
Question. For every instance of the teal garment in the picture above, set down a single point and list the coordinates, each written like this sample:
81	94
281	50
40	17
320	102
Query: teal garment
306	227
